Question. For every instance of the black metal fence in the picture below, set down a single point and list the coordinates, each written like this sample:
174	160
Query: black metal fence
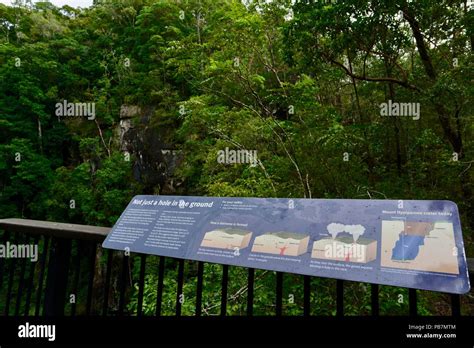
67	265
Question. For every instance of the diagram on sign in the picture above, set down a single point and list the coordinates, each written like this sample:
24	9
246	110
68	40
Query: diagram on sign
423	246
345	244
281	243
227	238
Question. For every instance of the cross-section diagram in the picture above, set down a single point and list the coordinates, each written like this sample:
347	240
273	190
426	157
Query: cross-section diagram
344	249
352	248
227	238
281	243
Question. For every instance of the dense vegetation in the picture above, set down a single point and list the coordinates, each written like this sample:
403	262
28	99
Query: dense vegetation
299	82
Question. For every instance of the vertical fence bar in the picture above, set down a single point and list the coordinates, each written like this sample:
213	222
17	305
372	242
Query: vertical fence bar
455	305
200	273
225	281
90	285
123	284
412	300
50	257
179	290
11	278
77	271
141	284
21	281
108	272
29	285
339	297
56	282
374	289
307	295
159	290
250	286
10	286
39	290
6	237
279	293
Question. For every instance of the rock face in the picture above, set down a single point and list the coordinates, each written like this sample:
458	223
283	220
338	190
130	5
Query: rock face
127	113
154	161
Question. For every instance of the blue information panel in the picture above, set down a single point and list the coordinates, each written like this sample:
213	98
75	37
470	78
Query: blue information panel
414	244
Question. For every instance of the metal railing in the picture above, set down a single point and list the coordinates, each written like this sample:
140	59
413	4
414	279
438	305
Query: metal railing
43	287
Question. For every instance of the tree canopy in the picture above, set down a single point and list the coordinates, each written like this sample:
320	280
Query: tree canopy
299	82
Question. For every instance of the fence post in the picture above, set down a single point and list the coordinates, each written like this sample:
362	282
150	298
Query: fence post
56	283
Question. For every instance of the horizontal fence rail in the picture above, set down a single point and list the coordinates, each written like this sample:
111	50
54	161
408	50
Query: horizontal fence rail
73	275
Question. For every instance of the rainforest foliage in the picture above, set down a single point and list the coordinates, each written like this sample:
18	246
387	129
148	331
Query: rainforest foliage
299	83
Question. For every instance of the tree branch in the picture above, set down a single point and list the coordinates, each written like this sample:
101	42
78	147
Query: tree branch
375	79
